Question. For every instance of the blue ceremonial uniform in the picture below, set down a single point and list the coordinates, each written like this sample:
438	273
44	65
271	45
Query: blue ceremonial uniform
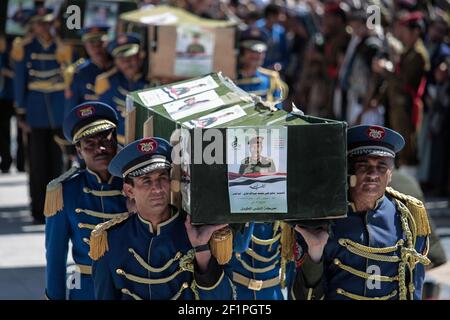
39	83
82	87
82	74
87	202
76	202
155	264
118	86
132	260
264	83
256	263
112	87
377	228
378	254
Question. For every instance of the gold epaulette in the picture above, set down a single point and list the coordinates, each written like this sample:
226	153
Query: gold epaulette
102	81
287	249
17	50
64	53
99	236
268	72
54	200
417	210
70	71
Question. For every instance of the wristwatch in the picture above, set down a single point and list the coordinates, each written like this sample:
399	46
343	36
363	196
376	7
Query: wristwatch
202	247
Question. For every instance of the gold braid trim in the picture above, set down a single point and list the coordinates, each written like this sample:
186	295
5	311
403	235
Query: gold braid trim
266	242
186	264
153	269
142	280
54	200
348	242
183	287
409	256
128	292
358	297
99	236
86	226
194	290
99	214
287	249
362	274
98	193
255	270
417	209
258	257
369	255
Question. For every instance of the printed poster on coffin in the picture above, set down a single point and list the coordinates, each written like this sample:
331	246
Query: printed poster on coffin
257	169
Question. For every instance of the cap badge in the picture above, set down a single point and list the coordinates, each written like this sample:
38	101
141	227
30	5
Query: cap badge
376	133
85	112
147	146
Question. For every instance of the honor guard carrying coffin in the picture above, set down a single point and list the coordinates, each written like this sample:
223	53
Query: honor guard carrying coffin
113	86
82	198
261	265
379	251
82	74
39	97
155	253
255	79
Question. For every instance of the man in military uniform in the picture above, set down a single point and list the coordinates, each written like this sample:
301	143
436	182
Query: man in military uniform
405	83
39	98
83	73
256	163
379	251
113	86
154	253
255	79
195	47
81	198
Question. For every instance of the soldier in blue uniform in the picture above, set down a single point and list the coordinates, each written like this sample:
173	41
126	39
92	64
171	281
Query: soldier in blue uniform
82	198
83	72
262	264
255	79
39	98
379	251
154	253
113	86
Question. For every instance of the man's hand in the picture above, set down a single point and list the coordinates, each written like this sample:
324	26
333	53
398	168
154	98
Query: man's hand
199	235
316	239
21	122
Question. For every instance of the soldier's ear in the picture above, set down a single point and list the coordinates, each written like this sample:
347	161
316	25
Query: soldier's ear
78	148
128	190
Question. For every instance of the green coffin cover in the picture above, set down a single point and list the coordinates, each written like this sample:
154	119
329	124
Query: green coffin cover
316	157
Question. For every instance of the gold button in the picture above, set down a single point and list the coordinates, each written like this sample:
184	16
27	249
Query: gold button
185	285
120	271
77	210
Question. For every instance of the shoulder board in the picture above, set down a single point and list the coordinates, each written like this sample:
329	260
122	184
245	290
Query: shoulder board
417	209
17	50
54	200
102	81
99	236
70	71
270	73
63	53
287	242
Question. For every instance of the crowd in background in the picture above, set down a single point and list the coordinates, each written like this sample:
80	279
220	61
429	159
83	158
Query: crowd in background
382	62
